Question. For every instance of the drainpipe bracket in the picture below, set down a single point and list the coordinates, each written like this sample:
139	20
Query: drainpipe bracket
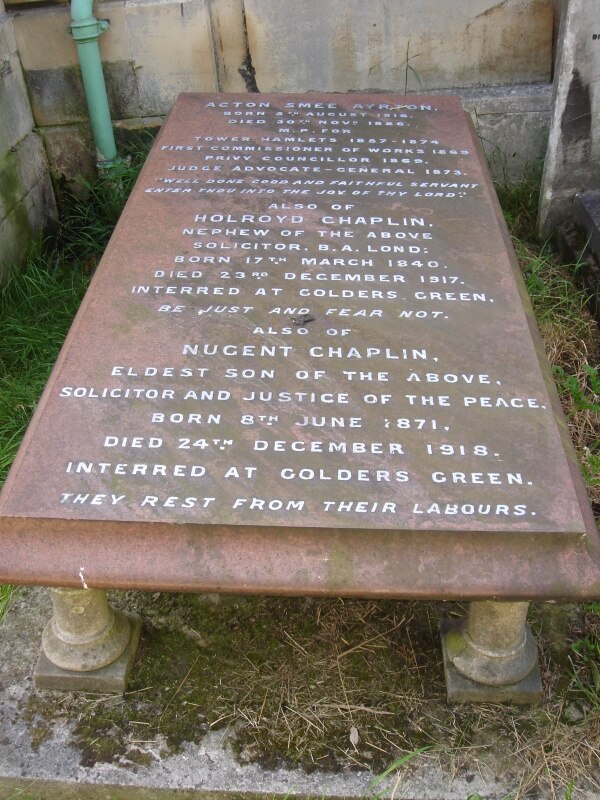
88	30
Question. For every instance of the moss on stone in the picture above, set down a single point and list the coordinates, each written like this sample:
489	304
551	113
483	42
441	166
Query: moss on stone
288	680
11	189
289	677
12	205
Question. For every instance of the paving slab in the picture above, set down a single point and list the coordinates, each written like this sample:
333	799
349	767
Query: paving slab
50	766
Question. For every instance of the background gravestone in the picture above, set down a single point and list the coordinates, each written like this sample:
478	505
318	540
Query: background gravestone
573	157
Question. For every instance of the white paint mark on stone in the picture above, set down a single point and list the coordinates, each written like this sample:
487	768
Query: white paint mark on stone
83	583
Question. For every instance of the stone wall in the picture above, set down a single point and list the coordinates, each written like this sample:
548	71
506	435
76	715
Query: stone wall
155	49
26	196
409	45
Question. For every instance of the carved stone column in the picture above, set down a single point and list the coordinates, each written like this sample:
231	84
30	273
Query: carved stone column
491	656
87	645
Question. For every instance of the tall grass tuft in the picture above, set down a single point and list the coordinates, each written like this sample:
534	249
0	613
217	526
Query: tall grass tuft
520	201
90	216
36	309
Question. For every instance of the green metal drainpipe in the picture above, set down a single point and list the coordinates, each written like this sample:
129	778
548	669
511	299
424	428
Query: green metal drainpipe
85	30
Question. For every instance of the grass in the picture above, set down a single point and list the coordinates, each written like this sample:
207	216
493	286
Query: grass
586	653
585	660
36	309
328	684
91	215
6	592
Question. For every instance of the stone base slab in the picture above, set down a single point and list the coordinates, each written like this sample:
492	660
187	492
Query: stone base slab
112	678
55	769
461	689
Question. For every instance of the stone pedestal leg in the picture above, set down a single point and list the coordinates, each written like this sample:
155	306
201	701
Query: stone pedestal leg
87	645
491	656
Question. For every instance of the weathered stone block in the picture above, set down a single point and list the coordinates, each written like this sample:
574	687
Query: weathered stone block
26	200
122	89
20	169
57	95
171	49
15	114
342	46
33	214
43	38
229	43
150	53
15	234
49	58
512	123
71	154
573	159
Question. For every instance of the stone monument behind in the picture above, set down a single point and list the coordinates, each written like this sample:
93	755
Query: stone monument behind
572	162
